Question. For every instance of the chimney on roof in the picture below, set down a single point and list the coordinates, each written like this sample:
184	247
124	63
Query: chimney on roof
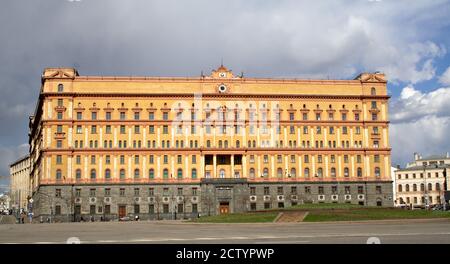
416	156
447	155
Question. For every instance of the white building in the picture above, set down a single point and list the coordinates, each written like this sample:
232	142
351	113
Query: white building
422	182
20	182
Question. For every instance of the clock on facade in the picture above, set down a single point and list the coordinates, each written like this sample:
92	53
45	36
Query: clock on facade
222	88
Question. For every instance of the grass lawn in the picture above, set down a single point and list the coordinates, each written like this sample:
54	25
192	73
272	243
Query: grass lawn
356	214
319	212
261	217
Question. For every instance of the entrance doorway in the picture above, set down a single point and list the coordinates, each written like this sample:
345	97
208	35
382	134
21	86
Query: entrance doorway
122	211
224	208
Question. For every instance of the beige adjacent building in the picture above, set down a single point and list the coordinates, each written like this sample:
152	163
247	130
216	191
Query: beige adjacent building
20	182
422	181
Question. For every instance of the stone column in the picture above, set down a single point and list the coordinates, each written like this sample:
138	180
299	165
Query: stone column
232	166
214	166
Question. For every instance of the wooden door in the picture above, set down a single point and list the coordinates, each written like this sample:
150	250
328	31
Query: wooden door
122	211
224	208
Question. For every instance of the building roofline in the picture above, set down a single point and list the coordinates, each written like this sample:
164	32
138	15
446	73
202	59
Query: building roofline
19	160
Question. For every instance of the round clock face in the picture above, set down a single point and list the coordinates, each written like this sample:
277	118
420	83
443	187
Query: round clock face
222	75
222	88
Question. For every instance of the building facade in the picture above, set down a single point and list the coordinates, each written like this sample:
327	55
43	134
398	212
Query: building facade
422	182
164	147
20	183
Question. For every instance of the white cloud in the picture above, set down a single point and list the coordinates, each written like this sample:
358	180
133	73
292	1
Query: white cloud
420	123
445	77
414	104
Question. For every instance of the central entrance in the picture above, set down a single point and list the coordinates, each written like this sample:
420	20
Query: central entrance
224	208
223	166
122	211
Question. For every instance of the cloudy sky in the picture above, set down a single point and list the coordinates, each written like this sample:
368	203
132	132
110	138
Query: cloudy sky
409	40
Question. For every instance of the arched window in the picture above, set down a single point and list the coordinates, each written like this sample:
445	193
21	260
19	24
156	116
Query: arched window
320	172
107	174
359	172
407	187
373	91
60	88
414	187
346	173
377	171
400	188
93	174
252	173
58	174
333	172
180	174
136	173
438	186
194	174
222	173
280	172
166	174
306	172
151	173
430	187
78	174
293	172
422	187
122	174
265	172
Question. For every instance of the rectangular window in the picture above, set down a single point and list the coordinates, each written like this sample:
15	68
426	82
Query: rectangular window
165	129
151	129
122	192
94	115
79	115
151	208
136	116
266	191
137	209
107	209
59	115
165	116
108	116
58	159
122	116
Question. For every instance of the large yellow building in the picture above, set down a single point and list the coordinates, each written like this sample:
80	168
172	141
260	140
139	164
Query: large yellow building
161	147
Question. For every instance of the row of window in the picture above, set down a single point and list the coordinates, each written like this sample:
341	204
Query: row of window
222	129
437	187
78	144
320	190
415	200
414	175
193	159
106	209
252	173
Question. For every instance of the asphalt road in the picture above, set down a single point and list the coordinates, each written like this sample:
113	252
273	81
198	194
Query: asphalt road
389	231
